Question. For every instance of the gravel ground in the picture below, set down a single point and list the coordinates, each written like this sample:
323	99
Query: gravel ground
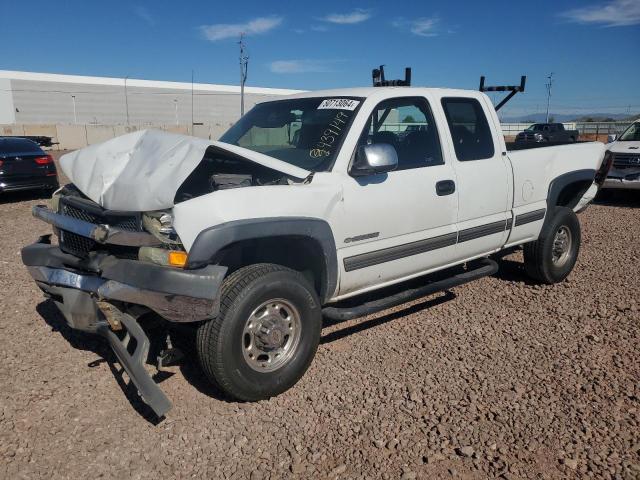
498	379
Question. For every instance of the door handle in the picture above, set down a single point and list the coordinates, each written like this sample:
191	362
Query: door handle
445	187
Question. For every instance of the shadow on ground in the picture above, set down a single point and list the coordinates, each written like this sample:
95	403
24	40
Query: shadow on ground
95	344
184	338
24	196
618	198
376	322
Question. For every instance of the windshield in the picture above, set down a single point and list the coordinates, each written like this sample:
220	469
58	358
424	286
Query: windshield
631	134
534	127
305	132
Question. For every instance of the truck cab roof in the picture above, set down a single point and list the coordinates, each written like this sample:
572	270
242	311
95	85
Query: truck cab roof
389	92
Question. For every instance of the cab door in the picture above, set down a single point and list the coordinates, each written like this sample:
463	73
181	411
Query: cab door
401	223
484	179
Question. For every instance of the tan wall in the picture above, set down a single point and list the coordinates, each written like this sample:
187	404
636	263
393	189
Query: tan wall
12	130
99	133
42	130
72	137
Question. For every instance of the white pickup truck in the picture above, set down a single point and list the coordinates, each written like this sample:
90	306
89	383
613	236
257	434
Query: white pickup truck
302	207
625	156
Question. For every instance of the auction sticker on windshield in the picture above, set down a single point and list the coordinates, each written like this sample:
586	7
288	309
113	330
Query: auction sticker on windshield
339	103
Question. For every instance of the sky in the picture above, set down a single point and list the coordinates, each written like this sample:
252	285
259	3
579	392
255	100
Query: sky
591	47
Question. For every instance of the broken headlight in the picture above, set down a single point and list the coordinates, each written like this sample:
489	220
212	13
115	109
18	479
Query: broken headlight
160	225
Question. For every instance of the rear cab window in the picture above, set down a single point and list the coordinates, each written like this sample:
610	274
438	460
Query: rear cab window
470	132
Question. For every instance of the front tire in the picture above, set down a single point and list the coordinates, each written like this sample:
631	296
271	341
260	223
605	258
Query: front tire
266	334
551	258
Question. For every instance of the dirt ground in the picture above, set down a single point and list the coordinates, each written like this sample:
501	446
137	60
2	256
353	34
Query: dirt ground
500	378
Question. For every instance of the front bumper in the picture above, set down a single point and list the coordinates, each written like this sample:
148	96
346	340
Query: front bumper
96	294
621	183
175	294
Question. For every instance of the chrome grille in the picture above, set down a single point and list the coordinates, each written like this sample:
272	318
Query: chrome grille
626	160
79	214
123	222
526	137
75	244
81	246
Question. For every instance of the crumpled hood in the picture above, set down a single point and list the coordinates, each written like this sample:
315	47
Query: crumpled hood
142	171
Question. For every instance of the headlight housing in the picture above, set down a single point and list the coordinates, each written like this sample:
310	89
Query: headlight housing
162	256
160	225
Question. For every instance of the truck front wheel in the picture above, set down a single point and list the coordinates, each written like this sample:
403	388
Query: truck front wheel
266	334
551	258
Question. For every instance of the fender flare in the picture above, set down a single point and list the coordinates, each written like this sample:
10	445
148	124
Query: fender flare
559	183
213	239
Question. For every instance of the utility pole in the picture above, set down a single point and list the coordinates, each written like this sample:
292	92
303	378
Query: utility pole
244	62
549	85
175	101
126	97
191	101
75	116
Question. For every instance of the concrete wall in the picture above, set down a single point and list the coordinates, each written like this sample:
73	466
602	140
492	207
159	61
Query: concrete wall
51	102
72	137
41	98
7	109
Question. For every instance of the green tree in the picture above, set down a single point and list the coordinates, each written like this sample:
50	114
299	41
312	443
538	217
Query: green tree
409	119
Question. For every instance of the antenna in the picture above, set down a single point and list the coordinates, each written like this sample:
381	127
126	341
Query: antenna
512	89
244	63
377	75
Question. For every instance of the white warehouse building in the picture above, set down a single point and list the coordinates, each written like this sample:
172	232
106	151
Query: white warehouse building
42	98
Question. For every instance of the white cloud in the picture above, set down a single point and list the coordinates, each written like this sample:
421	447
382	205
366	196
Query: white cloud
144	14
423	27
617	13
301	66
357	16
257	26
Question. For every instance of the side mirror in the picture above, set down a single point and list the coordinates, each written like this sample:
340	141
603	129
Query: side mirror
612	138
375	158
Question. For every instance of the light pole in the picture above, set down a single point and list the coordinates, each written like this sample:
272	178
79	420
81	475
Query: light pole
126	98
549	85
175	101
244	62
75	116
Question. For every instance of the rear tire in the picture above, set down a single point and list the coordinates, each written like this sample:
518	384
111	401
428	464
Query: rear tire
266	334
551	258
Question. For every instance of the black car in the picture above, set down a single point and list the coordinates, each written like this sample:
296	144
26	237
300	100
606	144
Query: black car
25	166
547	133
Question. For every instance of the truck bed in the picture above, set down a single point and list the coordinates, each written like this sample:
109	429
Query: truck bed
527	145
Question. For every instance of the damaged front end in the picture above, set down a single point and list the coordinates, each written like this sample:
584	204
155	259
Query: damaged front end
118	255
109	268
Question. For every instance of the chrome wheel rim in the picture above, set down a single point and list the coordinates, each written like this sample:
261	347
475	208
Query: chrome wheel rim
271	335
561	250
